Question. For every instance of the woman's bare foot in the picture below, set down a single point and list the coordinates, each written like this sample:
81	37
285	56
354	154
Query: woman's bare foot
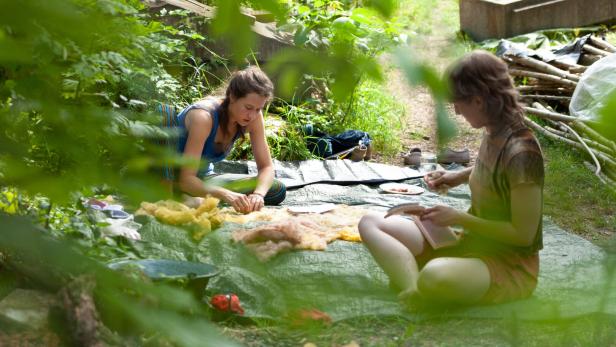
410	298
408	294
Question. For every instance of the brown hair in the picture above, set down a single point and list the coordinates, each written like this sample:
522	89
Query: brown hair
482	74
242	83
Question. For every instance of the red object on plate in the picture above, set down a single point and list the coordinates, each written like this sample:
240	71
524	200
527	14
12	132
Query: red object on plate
227	303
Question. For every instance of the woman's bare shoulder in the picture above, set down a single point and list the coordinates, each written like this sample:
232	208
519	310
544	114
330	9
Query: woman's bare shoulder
210	102
198	117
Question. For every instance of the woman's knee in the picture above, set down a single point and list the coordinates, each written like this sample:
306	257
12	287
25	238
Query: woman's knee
368	224
276	194
436	276
454	279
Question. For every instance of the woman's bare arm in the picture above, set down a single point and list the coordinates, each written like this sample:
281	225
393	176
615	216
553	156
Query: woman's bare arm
525	218
260	149
199	127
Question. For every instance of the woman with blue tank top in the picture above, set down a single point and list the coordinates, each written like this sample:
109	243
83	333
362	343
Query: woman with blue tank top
208	131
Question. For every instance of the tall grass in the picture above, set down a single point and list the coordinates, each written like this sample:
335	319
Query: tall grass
375	111
574	196
370	109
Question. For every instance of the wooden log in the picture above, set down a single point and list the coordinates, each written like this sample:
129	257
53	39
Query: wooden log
578	70
572	68
589	59
545	67
594	50
602	44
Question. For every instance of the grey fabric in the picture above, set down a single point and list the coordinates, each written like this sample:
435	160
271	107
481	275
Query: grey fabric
297	174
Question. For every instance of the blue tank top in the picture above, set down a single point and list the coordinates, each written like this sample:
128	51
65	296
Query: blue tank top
209	154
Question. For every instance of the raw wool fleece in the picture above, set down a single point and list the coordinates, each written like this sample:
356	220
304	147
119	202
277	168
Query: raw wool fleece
201	220
287	231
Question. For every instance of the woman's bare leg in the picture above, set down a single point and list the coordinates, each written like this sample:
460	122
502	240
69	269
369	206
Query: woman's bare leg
393	242
455	280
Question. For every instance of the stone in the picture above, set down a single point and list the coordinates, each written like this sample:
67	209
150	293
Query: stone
27	308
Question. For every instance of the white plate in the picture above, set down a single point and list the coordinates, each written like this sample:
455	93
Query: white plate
401	188
311	208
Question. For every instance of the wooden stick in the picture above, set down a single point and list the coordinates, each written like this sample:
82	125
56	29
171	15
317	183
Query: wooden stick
595	50
532	81
602	177
579	124
546	97
544	67
591	143
523	89
594	134
573	68
602	44
543	107
592	155
549	115
600	155
596	144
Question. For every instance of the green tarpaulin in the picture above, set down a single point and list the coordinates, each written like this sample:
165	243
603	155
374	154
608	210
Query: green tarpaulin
344	281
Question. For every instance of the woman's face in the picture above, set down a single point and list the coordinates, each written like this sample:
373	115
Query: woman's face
473	111
246	109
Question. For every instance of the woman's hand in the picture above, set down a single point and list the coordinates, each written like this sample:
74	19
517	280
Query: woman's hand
243	203
442	215
443	180
240	202
256	202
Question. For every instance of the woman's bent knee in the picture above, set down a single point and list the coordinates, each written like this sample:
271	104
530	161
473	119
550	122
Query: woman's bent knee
276	194
368	224
454	279
435	277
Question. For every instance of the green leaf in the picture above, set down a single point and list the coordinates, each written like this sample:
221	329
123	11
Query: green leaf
233	27
364	16
385	7
607	118
303	9
416	74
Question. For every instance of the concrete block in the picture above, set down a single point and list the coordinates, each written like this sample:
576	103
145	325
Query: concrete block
485	19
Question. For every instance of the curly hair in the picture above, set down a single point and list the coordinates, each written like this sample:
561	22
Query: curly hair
482	74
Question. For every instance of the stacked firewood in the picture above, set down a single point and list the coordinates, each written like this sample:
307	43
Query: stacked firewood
546	90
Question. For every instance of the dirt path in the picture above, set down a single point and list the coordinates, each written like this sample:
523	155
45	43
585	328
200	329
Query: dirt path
438	48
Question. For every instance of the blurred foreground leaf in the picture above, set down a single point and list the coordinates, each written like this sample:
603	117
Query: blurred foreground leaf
341	64
607	118
420	74
137	308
